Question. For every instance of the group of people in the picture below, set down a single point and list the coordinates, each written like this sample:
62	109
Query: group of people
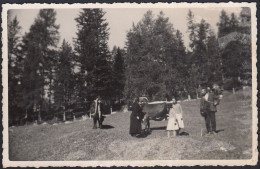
208	108
175	122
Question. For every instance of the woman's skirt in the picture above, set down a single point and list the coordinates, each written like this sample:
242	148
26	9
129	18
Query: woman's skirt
175	123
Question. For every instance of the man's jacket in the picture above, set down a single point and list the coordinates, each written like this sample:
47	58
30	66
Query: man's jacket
212	102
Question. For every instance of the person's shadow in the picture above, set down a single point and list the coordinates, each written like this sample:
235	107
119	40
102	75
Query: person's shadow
158	128
144	134
184	133
220	130
107	126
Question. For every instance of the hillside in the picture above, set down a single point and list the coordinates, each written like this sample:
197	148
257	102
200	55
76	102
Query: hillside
78	141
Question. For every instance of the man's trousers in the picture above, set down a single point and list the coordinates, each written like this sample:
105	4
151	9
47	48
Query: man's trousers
210	120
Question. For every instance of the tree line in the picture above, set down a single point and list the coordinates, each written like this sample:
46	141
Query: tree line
44	79
159	66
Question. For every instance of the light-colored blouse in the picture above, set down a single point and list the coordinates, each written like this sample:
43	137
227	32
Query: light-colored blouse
176	109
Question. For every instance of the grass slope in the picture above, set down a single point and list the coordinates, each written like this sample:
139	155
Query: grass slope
78	141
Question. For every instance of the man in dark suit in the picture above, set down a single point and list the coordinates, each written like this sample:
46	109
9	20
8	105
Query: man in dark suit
208	109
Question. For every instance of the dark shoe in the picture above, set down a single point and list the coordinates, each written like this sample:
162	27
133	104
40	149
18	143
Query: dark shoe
94	127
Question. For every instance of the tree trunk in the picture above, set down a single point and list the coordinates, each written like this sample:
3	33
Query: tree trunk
64	116
39	117
189	97
26	116
50	89
222	77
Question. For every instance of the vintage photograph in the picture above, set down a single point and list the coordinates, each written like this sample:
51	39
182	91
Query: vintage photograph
129	84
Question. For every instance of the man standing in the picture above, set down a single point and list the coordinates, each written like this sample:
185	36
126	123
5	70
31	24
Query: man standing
208	109
97	116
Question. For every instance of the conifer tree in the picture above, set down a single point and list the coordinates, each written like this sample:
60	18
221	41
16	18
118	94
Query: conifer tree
215	71
64	77
234	23
181	65
119	74
139	59
192	28
15	68
224	24
93	55
152	52
203	46
193	66
38	47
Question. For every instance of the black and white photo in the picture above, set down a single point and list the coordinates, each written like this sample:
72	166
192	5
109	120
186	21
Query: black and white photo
129	84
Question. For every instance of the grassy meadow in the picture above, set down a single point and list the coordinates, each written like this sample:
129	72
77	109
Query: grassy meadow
77	140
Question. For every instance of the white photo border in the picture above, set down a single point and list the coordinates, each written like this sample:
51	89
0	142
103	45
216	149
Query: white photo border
139	163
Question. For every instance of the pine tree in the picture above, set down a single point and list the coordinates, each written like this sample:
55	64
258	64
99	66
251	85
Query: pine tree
224	24
192	67
201	55
38	48
93	55
215	71
201	43
139	58
203	68
15	68
114	53
234	23
64	78
192	28
119	74
151	58
181	65
198	67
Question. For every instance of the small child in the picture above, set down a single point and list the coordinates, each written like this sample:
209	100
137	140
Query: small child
175	122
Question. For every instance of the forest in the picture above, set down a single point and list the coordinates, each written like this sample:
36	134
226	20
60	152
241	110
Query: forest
46	80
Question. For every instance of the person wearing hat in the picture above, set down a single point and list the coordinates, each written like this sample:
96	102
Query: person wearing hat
175	122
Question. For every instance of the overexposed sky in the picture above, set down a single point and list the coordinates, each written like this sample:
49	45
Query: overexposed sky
121	19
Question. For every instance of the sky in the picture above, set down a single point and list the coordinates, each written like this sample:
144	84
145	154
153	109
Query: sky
121	20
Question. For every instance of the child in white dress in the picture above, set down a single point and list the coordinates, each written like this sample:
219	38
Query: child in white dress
175	122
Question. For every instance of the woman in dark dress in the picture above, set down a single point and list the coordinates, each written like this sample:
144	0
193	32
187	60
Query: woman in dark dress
135	119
